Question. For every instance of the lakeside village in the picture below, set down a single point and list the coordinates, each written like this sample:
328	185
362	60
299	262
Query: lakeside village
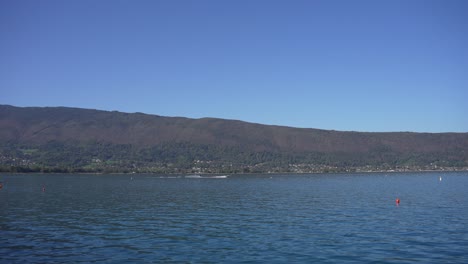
17	165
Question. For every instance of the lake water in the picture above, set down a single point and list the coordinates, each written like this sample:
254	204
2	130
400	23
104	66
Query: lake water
322	218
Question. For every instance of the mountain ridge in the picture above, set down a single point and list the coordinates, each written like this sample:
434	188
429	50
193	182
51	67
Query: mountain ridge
32	127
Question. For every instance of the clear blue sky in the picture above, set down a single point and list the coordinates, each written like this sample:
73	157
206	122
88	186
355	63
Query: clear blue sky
343	65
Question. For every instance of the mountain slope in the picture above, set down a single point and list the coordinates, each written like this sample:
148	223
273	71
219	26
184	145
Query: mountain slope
34	127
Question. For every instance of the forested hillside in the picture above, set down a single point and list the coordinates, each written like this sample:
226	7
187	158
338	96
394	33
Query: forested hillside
82	140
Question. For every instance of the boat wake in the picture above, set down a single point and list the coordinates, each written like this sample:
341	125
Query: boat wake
206	177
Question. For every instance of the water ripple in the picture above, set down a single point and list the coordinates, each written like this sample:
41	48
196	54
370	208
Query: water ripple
310	218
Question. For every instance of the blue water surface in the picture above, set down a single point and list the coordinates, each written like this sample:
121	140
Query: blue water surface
326	218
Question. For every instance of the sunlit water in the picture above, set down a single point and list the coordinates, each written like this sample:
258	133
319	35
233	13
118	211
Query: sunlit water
262	218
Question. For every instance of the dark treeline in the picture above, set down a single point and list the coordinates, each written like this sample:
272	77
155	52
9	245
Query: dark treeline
76	157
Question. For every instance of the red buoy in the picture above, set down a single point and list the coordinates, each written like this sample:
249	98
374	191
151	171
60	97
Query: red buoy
397	201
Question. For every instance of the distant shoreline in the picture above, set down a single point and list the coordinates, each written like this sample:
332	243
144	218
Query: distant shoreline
257	173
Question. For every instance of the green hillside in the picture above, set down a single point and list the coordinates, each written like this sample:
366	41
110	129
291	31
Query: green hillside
82	140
